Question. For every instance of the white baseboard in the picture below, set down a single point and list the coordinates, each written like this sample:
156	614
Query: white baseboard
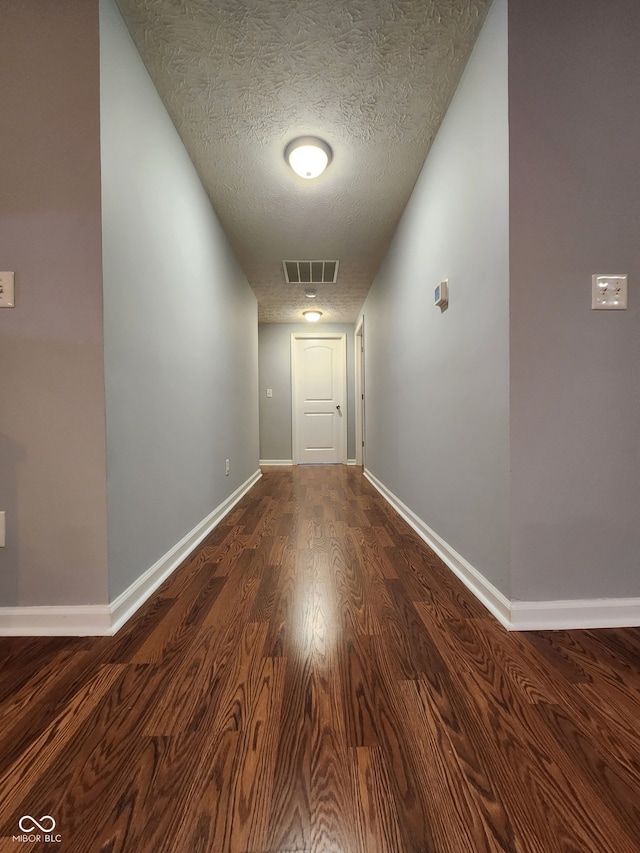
56	621
485	591
519	615
95	620
265	463
575	613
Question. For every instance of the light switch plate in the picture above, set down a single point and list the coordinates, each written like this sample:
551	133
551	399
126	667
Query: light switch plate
7	290
609	292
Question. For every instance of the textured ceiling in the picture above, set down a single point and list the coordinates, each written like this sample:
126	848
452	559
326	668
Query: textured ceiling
241	78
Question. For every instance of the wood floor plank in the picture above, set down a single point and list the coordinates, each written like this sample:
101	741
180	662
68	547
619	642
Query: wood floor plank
172	635
624	645
267	526
290	813
267	595
377	823
561	663
216	544
612	784
445	707
238	690
254	768
283	551
375	547
140	817
423	572
351	582
194	679
406	781
606	673
456	821
332	804
608	725
416	652
281	628
24	658
233	551
515	657
207	826
24	716
355	654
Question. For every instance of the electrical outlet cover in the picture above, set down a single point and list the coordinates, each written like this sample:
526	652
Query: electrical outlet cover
7	294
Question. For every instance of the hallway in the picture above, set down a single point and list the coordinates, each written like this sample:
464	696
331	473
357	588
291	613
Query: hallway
313	679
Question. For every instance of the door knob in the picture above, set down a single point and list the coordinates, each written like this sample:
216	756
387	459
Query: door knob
338	408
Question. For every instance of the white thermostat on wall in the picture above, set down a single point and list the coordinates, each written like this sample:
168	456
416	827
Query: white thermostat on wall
441	294
609	292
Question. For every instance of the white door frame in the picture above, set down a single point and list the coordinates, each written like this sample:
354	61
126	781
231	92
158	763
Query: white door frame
359	377
317	336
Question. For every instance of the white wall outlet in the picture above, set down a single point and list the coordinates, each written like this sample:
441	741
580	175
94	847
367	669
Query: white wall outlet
441	294
609	292
7	290
227	467
2	529
269	392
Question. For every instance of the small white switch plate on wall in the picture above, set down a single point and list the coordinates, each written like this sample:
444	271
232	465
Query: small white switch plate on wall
609	292
2	534
269	392
7	290
227	467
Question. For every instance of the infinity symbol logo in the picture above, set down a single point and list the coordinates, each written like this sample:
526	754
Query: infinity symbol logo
45	824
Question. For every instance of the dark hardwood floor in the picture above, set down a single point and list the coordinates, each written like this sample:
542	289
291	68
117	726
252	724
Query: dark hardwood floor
314	679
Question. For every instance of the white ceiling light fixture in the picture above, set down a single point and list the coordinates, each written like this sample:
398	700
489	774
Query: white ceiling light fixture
311	294
308	156
312	316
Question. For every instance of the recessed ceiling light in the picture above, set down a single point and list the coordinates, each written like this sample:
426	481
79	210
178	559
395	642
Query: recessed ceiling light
308	156
311	294
312	316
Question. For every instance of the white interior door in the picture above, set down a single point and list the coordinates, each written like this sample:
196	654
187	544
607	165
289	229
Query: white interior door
319	386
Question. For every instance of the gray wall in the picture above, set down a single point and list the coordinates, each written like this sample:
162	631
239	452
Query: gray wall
180	326
275	372
52	435
575	210
437	384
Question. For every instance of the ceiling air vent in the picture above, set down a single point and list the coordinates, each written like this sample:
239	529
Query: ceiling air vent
310	272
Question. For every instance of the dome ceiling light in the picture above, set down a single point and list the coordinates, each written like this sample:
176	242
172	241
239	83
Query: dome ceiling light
312	316
308	156
311	294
